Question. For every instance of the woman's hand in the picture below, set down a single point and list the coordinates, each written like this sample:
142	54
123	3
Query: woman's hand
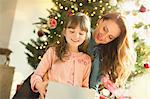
41	87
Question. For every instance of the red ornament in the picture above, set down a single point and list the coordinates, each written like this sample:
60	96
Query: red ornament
52	23
146	65
40	33
142	9
102	97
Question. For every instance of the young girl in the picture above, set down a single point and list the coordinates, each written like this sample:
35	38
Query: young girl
66	62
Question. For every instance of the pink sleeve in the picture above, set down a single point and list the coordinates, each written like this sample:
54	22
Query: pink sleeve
87	71
42	68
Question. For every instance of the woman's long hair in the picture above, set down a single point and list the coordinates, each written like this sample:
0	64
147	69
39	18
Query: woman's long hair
72	22
117	55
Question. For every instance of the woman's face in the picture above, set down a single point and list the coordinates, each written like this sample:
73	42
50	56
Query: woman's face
106	31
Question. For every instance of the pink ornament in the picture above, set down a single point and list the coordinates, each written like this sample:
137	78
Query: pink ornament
52	23
142	9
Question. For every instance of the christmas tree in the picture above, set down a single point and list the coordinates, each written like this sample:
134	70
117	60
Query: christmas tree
143	51
49	28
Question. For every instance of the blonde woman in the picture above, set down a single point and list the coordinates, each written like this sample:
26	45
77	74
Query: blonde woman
112	51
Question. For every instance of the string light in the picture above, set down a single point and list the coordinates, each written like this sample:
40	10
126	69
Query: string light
99	17
44	47
72	6
45	43
56	2
72	11
76	9
59	35
36	47
92	14
51	37
95	8
39	57
58	42
61	7
66	8
103	8
61	22
80	4
109	7
40	47
56	17
107	4
94	0
100	1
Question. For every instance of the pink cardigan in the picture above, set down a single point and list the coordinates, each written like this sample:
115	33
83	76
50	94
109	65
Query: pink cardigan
75	70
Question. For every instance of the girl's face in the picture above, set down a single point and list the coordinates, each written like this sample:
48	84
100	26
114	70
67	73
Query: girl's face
75	37
106	31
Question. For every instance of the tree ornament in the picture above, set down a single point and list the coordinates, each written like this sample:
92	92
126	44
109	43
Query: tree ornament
52	23
146	65
40	33
142	9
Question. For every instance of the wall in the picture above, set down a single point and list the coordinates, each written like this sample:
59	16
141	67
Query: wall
7	11
27	13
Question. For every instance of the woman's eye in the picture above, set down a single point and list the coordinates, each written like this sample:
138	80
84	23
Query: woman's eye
110	37
81	33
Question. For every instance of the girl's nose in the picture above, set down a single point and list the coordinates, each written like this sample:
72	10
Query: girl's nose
76	35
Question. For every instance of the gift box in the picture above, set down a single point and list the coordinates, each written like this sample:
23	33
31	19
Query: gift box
64	91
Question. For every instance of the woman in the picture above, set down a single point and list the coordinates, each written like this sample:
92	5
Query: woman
113	55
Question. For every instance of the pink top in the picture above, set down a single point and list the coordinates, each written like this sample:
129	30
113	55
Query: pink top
75	70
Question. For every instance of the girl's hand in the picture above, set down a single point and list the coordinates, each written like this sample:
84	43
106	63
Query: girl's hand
41	87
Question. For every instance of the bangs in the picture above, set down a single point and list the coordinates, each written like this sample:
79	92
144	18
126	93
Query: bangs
74	22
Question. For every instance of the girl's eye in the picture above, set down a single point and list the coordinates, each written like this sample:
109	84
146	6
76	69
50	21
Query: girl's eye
71	31
82	33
